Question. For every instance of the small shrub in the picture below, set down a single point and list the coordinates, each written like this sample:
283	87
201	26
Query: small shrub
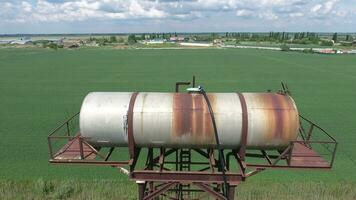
310	50
64	191
284	47
45	187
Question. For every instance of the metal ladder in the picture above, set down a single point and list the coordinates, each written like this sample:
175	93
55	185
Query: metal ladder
185	161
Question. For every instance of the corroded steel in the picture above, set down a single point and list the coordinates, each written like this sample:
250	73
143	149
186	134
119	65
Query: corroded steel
277	119
172	122
191	118
130	137
244	126
182	120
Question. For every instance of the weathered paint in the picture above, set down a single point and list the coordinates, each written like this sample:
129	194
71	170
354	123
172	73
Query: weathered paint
103	118
183	120
191	118
277	115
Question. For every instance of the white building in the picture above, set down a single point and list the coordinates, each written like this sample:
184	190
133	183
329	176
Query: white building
156	41
195	44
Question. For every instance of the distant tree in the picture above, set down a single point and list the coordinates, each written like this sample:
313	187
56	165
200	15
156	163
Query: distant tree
165	36
52	46
326	43
335	37
283	36
348	37
143	36
113	39
213	36
152	36
132	39
121	40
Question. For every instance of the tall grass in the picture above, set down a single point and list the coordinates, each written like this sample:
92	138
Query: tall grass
116	189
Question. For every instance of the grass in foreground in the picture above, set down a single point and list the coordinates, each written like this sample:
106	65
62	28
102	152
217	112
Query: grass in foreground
110	189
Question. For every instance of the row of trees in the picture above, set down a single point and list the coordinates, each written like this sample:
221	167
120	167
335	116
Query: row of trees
280	37
300	37
102	41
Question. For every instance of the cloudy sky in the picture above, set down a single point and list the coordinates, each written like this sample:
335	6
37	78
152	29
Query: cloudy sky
105	16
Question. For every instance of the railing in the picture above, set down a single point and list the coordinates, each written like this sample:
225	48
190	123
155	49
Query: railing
313	149
323	139
64	132
66	145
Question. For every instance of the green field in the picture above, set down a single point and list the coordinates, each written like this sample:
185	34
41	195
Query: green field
40	88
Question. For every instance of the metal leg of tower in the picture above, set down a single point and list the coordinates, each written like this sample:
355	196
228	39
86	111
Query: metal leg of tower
141	189
231	192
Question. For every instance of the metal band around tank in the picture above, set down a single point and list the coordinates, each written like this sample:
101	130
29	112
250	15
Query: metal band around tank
130	137
244	128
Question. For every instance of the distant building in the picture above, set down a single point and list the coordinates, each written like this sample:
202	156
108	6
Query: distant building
5	41
73	46
59	41
156	41
196	44
177	39
324	51
218	41
22	41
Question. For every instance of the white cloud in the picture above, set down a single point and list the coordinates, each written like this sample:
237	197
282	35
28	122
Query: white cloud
325	8
244	13
316	8
27	7
281	11
296	14
268	15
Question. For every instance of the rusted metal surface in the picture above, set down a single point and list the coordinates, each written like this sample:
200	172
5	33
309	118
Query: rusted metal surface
191	118
183	120
175	122
303	156
244	127
298	154
182	176
130	136
75	149
278	121
209	190
161	190
90	162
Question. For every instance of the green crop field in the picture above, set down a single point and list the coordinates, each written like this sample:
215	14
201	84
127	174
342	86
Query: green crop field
39	88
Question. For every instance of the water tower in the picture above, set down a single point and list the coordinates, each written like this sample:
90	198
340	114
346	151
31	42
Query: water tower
190	145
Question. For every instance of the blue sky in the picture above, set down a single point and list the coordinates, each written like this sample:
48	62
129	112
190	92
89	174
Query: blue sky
107	16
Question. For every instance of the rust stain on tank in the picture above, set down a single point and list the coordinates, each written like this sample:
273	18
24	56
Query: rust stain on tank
191	118
280	114
182	104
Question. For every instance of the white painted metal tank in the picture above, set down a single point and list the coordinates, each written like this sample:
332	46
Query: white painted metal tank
183	120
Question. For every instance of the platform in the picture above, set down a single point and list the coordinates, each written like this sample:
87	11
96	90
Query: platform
78	151
75	149
303	156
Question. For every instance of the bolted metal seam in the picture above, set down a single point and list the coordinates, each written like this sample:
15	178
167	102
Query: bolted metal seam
244	127
130	136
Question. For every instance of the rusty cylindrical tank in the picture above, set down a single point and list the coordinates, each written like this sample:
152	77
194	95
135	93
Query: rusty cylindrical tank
182	119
